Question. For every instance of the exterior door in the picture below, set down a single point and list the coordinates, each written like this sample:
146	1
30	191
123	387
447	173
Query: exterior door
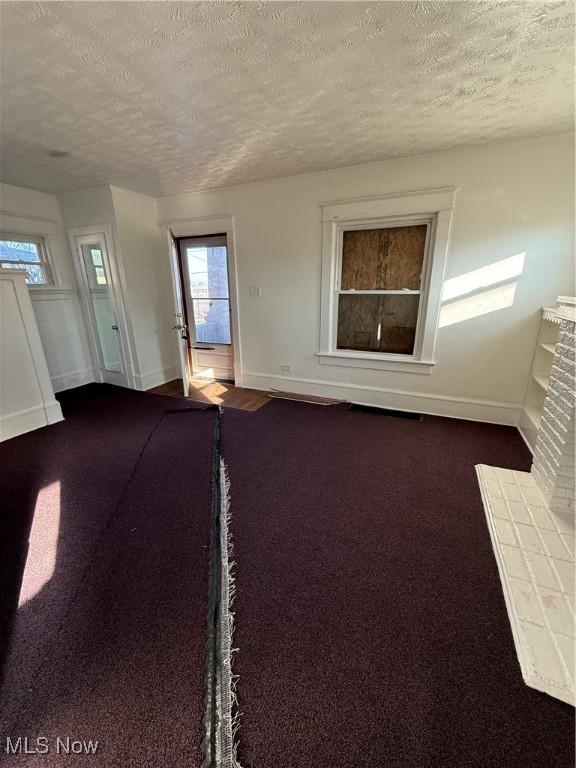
102	309
206	289
180	324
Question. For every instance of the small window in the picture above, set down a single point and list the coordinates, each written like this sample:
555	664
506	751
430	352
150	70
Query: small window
383	262
99	275
26	252
380	288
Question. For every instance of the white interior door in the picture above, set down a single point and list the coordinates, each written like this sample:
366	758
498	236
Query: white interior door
102	309
207	294
180	315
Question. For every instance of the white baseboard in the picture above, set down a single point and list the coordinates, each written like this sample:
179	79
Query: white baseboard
53	412
418	402
20	422
528	431
72	379
155	378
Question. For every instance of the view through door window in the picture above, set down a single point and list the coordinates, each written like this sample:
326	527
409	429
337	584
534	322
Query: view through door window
208	273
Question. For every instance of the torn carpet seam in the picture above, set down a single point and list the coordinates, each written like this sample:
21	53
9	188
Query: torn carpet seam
220	717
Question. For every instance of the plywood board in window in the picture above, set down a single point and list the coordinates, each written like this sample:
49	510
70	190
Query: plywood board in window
383	259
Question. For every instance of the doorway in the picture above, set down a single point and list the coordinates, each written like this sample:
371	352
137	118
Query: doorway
206	283
101	308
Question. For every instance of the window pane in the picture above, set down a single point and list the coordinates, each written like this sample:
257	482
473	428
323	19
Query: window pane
384	323
36	274
208	271
17	251
212	319
95	268
383	259
96	256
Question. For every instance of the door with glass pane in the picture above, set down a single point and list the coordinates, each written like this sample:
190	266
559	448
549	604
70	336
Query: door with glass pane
101	308
205	273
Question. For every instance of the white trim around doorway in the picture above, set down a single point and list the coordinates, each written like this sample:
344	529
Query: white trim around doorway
116	280
212	225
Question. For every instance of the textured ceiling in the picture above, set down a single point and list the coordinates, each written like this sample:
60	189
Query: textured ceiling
169	97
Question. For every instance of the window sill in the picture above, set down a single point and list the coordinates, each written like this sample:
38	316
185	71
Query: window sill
376	361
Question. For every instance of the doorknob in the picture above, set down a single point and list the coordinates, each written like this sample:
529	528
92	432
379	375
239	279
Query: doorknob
114	327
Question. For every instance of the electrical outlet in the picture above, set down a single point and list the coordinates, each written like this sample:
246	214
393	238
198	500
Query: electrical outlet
286	368
255	291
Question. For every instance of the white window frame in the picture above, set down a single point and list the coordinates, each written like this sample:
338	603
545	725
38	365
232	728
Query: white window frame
45	261
431	207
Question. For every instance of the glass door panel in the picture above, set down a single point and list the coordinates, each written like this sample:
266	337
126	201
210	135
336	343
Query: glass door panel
208	278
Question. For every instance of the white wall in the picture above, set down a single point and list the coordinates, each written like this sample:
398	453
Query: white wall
87	206
57	308
512	198
94	207
143	254
140	254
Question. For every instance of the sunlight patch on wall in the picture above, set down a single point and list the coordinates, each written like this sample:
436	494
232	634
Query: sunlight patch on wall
480	304
497	272
43	543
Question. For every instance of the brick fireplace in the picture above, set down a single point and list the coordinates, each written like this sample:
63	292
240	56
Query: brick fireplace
553	467
531	516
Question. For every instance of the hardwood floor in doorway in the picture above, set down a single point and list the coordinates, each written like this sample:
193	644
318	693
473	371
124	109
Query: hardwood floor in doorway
215	392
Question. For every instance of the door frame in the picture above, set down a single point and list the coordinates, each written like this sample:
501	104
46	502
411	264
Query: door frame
180	323
103	232
216	225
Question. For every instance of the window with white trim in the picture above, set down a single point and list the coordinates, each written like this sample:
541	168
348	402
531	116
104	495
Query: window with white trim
26	252
382	269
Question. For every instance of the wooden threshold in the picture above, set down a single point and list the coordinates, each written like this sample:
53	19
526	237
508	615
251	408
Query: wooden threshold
215	393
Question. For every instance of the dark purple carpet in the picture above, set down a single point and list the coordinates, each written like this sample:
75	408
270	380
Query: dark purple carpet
111	648
369	613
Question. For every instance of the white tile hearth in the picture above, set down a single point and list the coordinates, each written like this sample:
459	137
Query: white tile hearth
534	549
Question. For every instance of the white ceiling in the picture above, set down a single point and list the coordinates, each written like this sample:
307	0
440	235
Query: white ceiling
169	97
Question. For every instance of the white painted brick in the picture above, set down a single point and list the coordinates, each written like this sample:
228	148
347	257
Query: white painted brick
559	503
564	483
565	571
566	646
554	457
564	493
534	547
